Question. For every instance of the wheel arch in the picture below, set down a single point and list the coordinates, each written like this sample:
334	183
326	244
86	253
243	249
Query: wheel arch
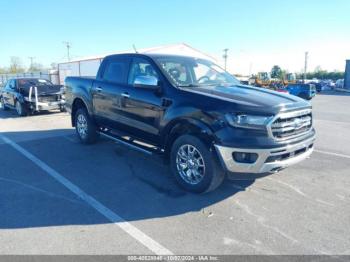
77	104
19	98
186	126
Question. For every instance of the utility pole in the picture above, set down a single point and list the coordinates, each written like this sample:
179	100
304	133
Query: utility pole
68	46
31	58
225	56
305	66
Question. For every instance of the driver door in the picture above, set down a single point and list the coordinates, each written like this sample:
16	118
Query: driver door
142	107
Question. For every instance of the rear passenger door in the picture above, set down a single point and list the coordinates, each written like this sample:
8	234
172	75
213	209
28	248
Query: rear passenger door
107	90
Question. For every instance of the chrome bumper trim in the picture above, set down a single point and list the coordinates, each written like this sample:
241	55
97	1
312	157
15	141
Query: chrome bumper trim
260	166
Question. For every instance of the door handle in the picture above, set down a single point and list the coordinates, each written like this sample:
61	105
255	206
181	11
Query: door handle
125	95
98	89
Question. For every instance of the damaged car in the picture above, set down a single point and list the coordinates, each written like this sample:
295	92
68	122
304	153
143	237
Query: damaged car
29	95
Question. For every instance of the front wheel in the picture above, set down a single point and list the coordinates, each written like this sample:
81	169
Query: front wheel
85	127
63	109
21	109
194	166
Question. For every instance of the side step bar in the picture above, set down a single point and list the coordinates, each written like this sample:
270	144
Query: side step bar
130	143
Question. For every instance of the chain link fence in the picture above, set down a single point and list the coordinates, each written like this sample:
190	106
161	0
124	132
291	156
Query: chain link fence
52	76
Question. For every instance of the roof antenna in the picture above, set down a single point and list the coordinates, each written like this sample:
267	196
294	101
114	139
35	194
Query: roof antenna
133	46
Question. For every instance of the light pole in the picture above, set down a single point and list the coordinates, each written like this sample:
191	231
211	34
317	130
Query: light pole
225	56
68	46
31	58
305	66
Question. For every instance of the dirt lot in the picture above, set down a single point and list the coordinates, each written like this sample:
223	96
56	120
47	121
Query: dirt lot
60	197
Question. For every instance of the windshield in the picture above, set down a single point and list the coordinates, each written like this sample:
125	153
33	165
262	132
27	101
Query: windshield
193	72
33	82
264	76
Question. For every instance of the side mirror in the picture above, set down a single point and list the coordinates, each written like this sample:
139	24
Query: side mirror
146	82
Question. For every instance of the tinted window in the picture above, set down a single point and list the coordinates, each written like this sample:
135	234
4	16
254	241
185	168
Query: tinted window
115	71
141	67
12	84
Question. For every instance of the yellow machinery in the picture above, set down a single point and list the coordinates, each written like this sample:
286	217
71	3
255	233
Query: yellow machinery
262	79
289	78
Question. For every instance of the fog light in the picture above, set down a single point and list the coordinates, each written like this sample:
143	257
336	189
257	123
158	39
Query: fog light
244	157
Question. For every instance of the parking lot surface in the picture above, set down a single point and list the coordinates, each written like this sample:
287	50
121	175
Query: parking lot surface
60	197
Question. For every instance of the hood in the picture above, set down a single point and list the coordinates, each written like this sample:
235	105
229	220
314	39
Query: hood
43	90
254	97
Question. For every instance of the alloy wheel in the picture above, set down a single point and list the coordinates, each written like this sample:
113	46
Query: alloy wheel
18	108
190	164
82	126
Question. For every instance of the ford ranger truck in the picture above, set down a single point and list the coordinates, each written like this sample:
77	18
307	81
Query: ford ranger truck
200	118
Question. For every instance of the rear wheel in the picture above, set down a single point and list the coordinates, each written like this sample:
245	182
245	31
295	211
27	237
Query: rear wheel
20	109
2	104
85	127
194	166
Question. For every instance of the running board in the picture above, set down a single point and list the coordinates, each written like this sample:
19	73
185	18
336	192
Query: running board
130	143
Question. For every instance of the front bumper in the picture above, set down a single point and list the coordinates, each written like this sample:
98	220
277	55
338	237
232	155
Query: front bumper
269	160
38	106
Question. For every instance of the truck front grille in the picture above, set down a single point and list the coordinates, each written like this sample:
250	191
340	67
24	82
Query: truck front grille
291	124
45	99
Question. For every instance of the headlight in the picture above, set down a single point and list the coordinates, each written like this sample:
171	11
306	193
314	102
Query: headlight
248	121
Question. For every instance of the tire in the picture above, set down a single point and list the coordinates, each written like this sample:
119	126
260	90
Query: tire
203	163
21	109
63	109
85	127
2	104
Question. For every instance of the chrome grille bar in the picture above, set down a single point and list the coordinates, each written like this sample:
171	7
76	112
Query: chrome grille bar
291	124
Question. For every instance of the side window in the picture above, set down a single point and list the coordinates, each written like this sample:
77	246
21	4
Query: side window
141	67
116	71
177	71
12	84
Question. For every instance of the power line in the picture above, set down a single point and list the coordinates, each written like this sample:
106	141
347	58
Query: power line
68	46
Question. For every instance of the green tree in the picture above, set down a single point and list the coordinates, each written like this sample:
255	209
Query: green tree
54	66
16	65
322	74
276	72
36	67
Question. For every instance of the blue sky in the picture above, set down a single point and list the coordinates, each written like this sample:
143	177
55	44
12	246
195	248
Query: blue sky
258	33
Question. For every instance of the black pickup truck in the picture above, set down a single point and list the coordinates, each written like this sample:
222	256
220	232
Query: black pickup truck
28	95
199	117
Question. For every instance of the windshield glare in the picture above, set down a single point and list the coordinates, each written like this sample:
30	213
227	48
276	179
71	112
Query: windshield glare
193	72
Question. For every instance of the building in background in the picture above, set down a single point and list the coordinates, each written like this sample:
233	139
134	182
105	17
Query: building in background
88	66
347	75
